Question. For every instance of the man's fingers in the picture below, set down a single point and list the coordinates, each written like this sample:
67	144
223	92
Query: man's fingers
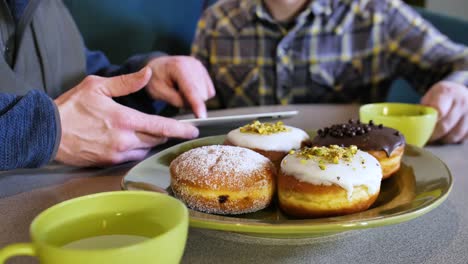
126	84
134	154
458	133
166	93
195	96
199	109
173	97
148	141
209	83
441	102
155	126
166	127
189	76
429	97
446	123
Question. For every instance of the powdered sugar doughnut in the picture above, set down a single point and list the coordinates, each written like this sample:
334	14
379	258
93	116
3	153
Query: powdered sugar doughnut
223	179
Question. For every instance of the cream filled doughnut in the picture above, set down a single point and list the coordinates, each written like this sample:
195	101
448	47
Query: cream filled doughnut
273	140
328	181
223	179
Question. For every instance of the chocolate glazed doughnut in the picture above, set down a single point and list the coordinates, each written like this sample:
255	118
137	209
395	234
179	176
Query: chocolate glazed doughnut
385	144
223	179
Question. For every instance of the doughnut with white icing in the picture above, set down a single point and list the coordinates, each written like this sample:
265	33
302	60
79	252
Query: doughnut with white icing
273	145
310	187
386	144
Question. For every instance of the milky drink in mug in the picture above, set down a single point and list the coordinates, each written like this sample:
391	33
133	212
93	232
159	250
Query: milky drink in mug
115	227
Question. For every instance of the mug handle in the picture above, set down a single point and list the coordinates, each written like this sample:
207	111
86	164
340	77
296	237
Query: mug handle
19	249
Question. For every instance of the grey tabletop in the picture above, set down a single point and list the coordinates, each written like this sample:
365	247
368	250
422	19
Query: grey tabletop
440	236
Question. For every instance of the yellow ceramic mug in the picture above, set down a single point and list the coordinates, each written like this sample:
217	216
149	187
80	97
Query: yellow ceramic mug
113	227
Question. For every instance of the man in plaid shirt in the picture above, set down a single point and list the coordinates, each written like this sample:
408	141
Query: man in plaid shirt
331	51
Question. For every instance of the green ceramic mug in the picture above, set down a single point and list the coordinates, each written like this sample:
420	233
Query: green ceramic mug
112	227
415	121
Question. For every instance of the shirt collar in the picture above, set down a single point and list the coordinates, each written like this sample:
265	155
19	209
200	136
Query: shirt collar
319	7
255	8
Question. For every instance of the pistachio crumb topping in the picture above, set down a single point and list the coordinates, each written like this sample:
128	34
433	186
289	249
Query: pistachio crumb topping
326	155
258	127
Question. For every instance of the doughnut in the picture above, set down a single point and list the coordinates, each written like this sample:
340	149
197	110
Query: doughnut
386	144
222	179
328	181
272	140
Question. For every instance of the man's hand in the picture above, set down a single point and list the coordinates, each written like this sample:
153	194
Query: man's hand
451	101
98	131
181	80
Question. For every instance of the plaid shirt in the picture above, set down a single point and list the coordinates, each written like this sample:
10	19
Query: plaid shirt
336	51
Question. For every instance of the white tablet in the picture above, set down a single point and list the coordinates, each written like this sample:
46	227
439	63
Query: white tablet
226	120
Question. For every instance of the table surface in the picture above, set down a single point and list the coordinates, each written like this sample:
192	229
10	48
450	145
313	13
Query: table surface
440	236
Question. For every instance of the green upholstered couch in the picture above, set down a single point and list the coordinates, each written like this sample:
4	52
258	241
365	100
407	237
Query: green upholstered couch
124	27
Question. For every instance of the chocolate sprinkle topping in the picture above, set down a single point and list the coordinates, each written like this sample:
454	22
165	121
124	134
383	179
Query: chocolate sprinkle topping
348	130
360	134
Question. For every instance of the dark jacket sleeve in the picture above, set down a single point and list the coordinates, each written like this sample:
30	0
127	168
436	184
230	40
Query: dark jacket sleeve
29	130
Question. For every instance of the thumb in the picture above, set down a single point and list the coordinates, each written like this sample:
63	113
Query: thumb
126	84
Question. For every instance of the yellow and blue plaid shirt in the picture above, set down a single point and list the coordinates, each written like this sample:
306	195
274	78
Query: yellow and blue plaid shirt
335	51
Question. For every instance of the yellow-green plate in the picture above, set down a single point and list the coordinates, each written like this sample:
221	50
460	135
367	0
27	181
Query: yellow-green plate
422	183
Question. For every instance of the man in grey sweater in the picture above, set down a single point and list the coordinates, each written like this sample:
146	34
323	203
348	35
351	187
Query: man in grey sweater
51	108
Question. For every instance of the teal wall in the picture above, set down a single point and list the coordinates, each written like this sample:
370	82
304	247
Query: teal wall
124	27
